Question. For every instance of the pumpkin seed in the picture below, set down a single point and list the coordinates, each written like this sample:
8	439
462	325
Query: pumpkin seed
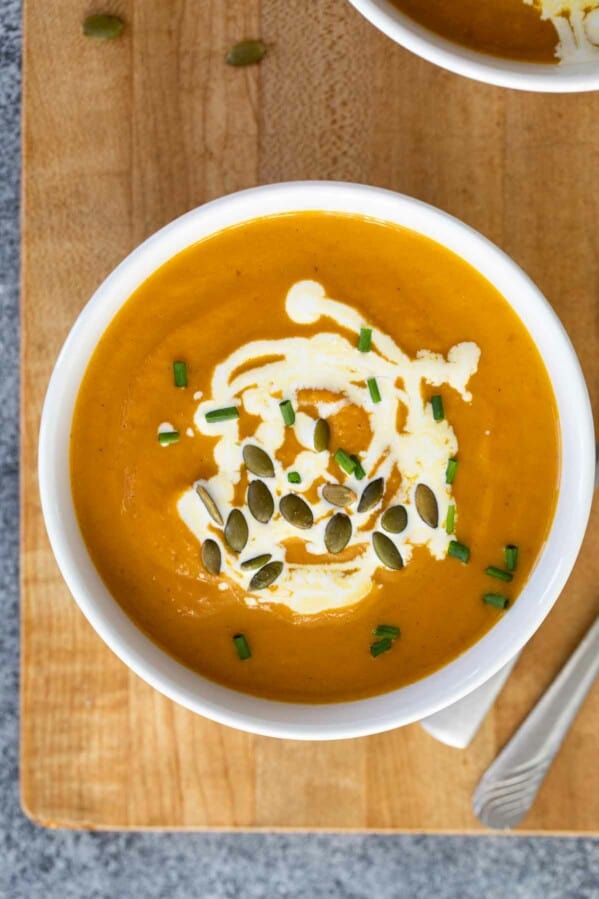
258	462
322	435
371	495
337	533
260	501
211	507
296	511
103	27
211	556
236	530
426	505
395	519
338	494
266	576
387	551
256	562
246	53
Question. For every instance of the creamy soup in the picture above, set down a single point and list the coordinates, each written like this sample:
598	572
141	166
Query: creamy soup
315	457
546	31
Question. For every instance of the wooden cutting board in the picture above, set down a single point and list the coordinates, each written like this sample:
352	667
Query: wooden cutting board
121	137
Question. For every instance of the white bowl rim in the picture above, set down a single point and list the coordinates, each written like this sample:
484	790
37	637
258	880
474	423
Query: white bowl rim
399	707
498	71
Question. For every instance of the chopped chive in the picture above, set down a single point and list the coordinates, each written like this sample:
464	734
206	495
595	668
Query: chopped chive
450	522
180	374
386	630
373	387
450	471
345	461
511	557
167	437
359	472
437	404
458	551
226	414
380	646
294	477
497	600
501	575
365	340
287	412
242	646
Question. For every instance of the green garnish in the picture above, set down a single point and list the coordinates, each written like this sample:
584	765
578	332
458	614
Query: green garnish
364	340
373	387
287	412
294	477
458	551
497	600
226	414
501	575
246	53
103	27
359	472
450	471
380	646
345	461
242	646
450	522
386	630
180	374
167	437
511	557
437	404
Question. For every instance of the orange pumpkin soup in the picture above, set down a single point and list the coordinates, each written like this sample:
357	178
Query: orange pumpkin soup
540	31
315	457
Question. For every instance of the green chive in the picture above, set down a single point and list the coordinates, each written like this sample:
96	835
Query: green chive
458	551
373	387
167	437
180	374
386	630
437	404
497	600
511	557
242	646
450	522
294	477
345	461
365	340
226	414
498	573
287	412
450	471
380	646
359	472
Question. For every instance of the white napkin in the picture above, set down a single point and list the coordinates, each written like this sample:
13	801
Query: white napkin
457	724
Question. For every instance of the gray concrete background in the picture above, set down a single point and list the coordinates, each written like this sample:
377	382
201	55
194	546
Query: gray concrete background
40	863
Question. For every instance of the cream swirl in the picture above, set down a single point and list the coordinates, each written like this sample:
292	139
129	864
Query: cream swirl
258	375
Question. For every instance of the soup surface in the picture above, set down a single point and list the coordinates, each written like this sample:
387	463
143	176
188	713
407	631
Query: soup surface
300	445
542	31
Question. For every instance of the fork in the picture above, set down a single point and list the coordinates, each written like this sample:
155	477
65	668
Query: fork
508	788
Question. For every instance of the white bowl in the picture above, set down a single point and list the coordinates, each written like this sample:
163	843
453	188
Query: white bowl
527	76
410	703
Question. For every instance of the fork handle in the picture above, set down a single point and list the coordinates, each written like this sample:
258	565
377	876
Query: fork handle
533	747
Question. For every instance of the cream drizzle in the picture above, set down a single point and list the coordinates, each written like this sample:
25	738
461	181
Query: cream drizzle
328	361
577	25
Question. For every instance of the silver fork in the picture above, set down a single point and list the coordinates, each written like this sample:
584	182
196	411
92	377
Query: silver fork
508	788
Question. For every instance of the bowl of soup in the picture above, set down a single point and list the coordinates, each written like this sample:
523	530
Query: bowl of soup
316	460
536	45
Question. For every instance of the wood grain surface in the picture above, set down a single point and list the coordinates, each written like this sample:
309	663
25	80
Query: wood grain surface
119	138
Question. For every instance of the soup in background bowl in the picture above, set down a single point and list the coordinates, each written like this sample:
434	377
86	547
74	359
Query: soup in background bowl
320	471
543	45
